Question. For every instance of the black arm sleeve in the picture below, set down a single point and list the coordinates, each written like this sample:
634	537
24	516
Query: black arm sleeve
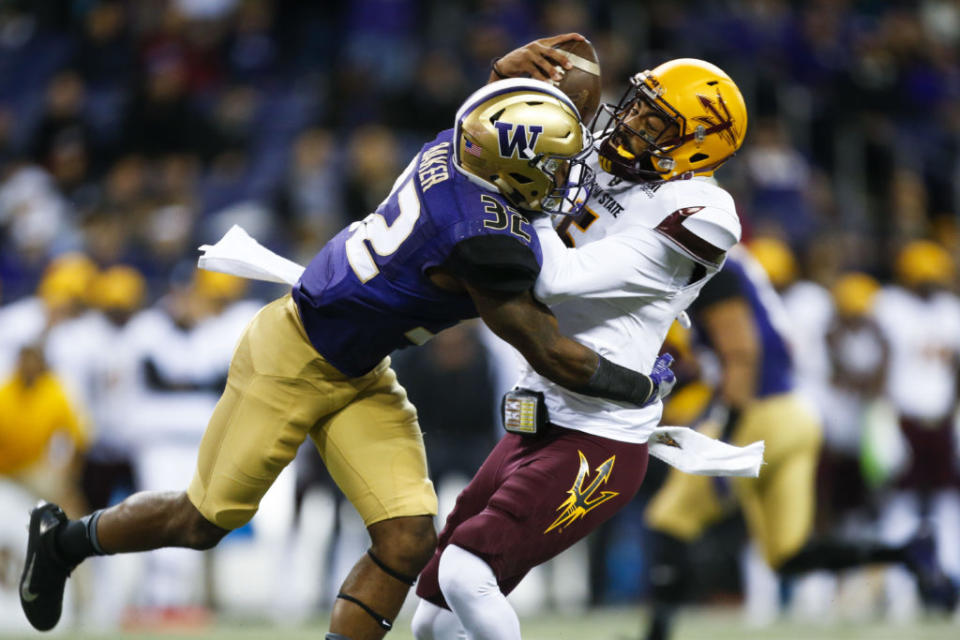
612	381
723	286
494	262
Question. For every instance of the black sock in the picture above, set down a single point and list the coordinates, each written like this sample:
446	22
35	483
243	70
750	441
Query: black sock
77	540
834	554
668	570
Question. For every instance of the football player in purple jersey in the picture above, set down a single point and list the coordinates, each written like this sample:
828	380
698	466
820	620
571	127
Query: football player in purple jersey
452	241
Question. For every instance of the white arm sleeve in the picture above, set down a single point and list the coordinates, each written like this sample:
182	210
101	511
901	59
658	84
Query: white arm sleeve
628	263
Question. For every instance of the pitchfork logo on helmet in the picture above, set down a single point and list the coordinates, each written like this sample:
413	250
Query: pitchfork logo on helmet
525	138
700	106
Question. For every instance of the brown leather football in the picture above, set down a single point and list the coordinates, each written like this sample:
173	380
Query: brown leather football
582	82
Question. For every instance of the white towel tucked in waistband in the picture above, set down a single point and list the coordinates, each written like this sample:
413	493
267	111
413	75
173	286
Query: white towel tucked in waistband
693	452
240	255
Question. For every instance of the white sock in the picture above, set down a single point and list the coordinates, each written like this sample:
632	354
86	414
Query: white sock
471	590
431	622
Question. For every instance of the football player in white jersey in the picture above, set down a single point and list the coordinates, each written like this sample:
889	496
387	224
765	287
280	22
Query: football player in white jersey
920	317
653	231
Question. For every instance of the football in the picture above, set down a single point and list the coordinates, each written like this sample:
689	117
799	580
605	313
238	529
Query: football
582	82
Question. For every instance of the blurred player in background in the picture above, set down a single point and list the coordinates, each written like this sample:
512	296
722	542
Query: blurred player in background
178	353
741	319
649	237
40	398
42	434
92	352
450	243
60	296
859	363
920	318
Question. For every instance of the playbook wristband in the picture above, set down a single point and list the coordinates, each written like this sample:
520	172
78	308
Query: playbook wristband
614	382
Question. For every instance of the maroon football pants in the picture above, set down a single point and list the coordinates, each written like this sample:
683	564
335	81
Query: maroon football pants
534	497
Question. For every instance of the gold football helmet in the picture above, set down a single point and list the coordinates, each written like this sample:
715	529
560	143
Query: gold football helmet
526	138
853	294
923	262
705	120
118	288
776	258
66	279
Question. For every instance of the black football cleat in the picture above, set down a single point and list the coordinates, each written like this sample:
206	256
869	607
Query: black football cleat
937	590
45	572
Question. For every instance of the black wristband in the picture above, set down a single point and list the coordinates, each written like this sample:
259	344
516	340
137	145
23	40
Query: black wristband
493	67
614	382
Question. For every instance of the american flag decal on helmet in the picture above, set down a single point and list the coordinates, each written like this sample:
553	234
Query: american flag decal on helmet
472	148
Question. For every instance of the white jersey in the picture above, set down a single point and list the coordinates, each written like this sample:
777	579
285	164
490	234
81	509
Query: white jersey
180	371
924	337
21	323
641	257
811	311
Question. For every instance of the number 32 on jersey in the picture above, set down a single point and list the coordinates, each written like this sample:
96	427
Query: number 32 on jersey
384	238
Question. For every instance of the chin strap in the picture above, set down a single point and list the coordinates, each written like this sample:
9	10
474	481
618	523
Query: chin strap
396	575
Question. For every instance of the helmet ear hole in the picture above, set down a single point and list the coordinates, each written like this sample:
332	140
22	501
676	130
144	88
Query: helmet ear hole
697	157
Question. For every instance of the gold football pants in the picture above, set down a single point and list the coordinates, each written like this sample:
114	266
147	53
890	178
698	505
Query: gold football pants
279	391
778	507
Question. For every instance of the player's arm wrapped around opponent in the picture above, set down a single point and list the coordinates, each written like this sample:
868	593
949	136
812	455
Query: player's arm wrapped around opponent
625	263
532	329
498	272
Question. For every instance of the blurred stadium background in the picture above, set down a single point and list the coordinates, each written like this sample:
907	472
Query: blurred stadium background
132	132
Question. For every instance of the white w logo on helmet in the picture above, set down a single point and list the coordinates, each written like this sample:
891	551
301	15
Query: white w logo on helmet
521	141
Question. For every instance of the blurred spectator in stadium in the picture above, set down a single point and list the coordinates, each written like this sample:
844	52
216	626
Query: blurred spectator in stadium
125	187
63	120
920	318
380	40
311	198
433	97
252	51
105	55
780	182
36	221
34	415
160	118
373	161
168	228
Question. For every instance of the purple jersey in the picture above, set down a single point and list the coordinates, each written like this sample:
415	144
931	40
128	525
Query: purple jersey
740	278
367	292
